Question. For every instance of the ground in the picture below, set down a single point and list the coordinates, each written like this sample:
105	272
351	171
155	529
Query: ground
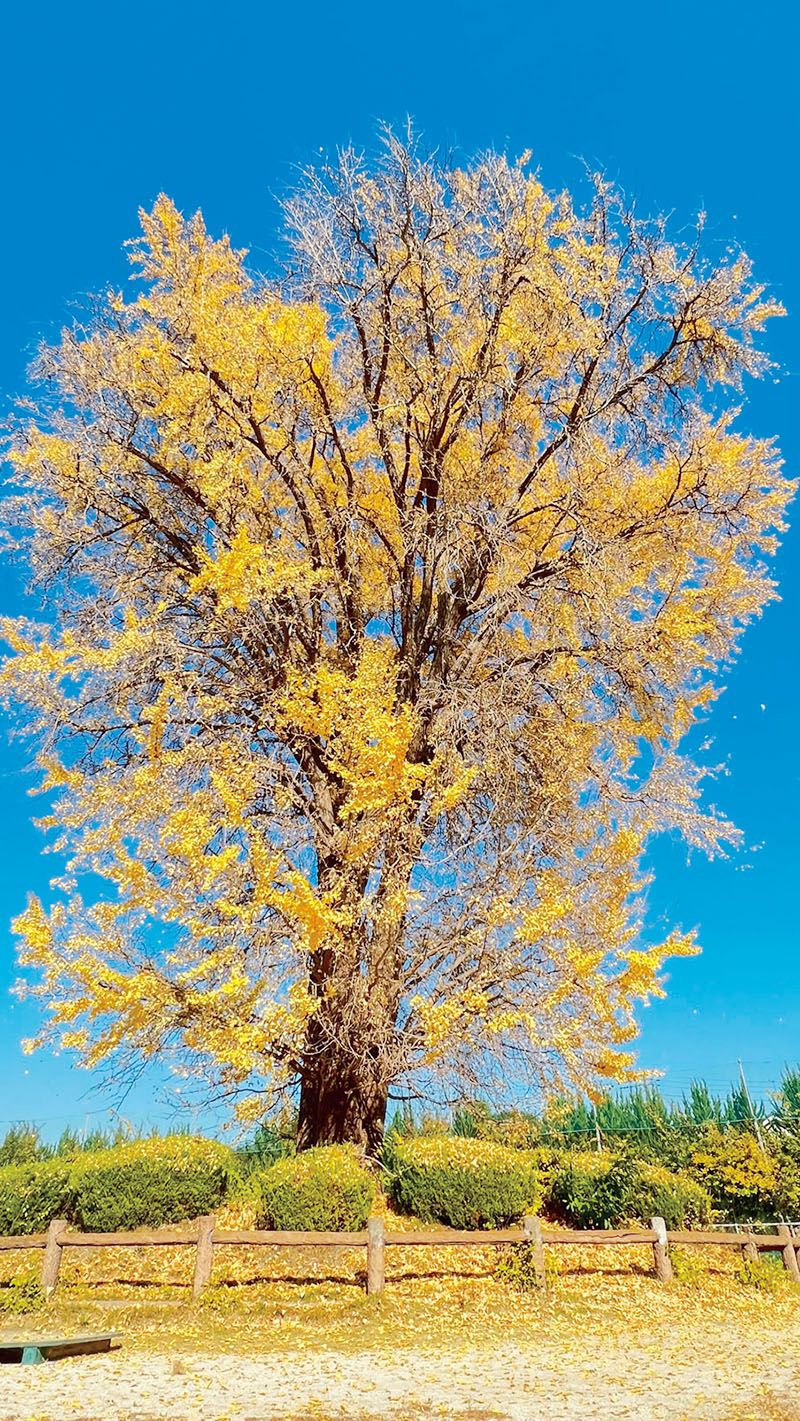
649	1380
292	1336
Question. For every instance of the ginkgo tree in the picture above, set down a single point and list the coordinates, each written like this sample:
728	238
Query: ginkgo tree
378	600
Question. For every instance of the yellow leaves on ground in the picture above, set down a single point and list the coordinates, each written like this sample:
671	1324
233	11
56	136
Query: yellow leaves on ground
309	1299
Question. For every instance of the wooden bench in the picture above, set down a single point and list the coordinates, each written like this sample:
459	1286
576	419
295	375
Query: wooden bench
50	1349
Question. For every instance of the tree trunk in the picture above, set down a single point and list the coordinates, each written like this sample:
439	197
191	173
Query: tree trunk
350	1053
341	1102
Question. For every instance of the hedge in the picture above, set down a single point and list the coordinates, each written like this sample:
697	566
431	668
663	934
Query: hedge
327	1188
601	1190
468	1183
149	1182
33	1194
743	1181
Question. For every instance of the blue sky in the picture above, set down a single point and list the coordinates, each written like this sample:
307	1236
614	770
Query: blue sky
687	106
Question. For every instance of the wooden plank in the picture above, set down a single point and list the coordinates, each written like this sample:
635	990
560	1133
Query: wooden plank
375	1255
269	1238
161	1238
480	1237
616	1238
77	1346
23	1241
455	1237
724	1240
660	1255
204	1259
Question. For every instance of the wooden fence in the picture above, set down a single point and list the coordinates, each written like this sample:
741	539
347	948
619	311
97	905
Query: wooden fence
205	1237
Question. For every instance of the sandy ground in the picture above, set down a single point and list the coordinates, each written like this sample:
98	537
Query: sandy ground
295	1339
695	1376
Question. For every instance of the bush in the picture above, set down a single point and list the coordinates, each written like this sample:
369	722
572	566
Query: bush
677	1198
271	1140
765	1274
327	1188
516	1267
33	1194
739	1176
600	1191
20	1295
156	1181
785	1153
464	1182
687	1268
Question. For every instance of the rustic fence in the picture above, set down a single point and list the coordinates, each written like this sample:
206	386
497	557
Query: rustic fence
205	1238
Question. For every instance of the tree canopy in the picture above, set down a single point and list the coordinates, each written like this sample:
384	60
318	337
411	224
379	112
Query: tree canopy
378	600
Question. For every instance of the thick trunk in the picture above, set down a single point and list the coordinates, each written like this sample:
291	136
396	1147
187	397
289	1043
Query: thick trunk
341	1102
350	1055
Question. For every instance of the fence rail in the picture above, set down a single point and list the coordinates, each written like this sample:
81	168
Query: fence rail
205	1237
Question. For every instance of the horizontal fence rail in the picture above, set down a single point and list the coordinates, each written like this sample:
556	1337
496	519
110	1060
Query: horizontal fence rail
205	1237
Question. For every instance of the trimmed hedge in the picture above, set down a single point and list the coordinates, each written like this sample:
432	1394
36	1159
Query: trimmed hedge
601	1191
149	1182
326	1188
33	1194
464	1182
679	1199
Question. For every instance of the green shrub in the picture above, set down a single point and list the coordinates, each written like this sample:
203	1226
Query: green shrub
271	1140
515	1266
687	1268
33	1194
20	1295
548	1163
740	1177
327	1188
600	1191
677	1198
765	1274
149	1182
464	1182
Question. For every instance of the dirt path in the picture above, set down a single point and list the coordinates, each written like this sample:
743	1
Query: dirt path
686	1377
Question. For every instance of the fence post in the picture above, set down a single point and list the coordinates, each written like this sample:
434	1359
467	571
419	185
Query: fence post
52	1256
749	1250
375	1256
788	1251
532	1232
661	1256
204	1256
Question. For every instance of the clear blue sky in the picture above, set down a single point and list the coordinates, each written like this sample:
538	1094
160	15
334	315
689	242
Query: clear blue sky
686	105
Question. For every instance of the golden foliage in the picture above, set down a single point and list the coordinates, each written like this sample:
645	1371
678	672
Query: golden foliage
379	605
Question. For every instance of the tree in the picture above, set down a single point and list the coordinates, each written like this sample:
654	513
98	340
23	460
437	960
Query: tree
380	599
